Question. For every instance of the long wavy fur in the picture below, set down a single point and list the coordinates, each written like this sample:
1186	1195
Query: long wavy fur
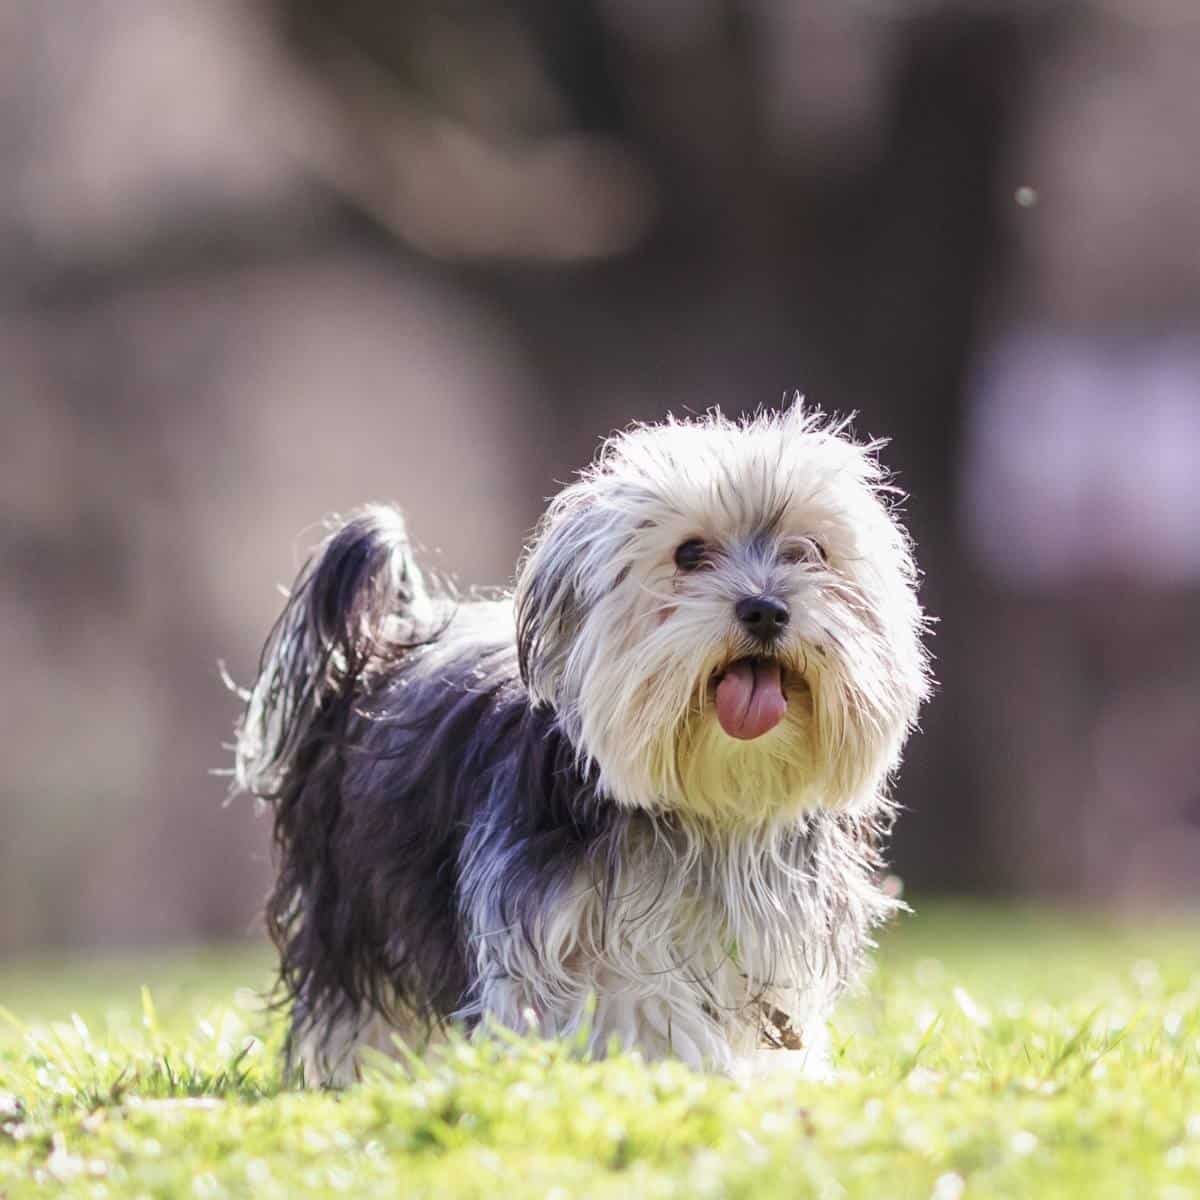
358	606
523	809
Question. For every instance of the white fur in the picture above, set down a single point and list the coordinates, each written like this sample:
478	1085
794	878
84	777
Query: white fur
631	682
701	934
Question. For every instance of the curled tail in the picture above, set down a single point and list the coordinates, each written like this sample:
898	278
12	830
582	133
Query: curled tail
358	601
358	605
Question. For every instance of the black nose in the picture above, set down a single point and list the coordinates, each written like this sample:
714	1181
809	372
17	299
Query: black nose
762	617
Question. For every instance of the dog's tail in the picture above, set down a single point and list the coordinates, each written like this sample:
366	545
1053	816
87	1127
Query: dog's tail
358	602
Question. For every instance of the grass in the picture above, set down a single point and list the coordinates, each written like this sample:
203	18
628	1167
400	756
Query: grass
992	1053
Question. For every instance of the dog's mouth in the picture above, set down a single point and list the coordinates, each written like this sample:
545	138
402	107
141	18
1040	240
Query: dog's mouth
750	698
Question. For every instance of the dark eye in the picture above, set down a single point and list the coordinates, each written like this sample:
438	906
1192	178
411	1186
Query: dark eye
806	550
691	554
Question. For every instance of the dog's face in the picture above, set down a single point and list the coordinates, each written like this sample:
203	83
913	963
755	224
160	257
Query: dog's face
724	617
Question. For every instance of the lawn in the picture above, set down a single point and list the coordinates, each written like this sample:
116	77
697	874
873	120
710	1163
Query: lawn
991	1053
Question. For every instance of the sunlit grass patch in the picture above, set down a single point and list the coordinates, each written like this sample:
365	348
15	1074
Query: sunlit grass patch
990	1054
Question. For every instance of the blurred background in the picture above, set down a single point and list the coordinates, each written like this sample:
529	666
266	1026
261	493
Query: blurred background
262	260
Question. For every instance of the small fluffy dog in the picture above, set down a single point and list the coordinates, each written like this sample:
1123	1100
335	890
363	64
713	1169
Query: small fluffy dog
640	799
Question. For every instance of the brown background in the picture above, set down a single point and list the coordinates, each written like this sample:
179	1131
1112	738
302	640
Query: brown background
260	262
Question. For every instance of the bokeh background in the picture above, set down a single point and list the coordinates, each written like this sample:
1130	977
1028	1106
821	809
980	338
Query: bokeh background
262	260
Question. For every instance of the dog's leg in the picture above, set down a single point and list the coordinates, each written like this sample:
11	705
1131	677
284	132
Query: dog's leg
792	1040
810	1060
328	1053
323	1052
607	1011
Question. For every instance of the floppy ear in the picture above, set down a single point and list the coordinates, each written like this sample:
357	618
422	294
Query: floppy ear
552	592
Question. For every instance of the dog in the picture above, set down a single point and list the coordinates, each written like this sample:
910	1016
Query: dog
639	800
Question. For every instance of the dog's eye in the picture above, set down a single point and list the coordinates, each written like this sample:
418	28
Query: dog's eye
806	550
691	554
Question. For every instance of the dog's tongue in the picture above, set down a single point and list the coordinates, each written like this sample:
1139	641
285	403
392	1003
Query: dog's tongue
750	699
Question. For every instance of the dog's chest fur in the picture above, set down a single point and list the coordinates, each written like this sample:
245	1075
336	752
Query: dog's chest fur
682	944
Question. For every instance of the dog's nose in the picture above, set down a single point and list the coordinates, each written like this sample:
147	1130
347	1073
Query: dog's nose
762	617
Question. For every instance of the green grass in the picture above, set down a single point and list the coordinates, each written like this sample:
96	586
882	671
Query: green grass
992	1053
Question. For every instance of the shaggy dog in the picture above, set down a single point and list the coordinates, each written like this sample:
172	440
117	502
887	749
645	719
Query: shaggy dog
639	800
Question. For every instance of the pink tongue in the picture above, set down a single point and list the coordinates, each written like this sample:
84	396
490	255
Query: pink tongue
750	699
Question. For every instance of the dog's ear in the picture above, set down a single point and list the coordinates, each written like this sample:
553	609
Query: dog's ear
576	557
551	591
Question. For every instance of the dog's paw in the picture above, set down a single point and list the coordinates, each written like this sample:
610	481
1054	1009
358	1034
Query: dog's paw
800	1065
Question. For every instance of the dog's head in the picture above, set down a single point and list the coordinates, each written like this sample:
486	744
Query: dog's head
724	617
